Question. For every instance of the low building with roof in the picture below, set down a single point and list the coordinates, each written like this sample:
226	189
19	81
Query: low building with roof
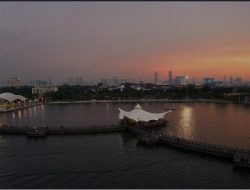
141	118
10	97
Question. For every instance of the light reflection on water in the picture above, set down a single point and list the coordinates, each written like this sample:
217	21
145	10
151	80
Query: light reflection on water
187	123
13	115
23	116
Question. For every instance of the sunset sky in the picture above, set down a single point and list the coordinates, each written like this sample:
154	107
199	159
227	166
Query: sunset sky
57	40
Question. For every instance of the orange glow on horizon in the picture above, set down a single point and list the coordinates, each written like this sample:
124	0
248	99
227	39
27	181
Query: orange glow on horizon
214	60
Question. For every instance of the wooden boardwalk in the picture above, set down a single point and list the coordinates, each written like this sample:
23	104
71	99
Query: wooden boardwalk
240	157
43	131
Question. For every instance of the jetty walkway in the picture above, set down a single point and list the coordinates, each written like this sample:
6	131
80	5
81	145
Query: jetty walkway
45	130
240	157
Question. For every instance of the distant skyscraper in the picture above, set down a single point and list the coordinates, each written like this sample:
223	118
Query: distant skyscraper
231	81
238	81
72	81
156	77
79	81
181	80
104	81
14	82
209	81
170	78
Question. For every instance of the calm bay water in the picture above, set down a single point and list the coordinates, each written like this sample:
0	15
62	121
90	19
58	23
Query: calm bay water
115	160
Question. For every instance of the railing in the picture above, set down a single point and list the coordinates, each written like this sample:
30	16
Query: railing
198	146
61	129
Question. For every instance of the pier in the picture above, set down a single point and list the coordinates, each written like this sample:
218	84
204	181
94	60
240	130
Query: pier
240	157
62	130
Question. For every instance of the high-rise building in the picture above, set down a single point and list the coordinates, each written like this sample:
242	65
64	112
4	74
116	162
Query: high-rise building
104	81
115	81
193	82
42	87
79	81
238	81
181	80
156	77
209	81
170	78
14	82
72	81
231	80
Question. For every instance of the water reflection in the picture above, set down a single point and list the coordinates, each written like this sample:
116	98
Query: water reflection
13	115
187	123
19	115
107	107
25	113
34	111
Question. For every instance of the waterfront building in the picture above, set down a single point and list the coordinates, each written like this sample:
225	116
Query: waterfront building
10	101
10	97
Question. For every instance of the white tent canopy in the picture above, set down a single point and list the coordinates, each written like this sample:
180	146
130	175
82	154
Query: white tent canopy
11	97
138	114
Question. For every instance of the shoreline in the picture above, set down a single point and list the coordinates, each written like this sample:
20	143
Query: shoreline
19	108
141	100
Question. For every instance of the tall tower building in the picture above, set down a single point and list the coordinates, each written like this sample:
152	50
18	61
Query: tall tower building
170	78
156	77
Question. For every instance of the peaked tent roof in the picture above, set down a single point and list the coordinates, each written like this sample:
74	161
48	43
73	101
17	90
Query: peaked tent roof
11	97
138	114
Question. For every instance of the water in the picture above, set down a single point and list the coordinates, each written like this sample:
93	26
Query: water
115	160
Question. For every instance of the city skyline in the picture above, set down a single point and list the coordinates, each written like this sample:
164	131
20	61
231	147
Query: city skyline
169	79
96	40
